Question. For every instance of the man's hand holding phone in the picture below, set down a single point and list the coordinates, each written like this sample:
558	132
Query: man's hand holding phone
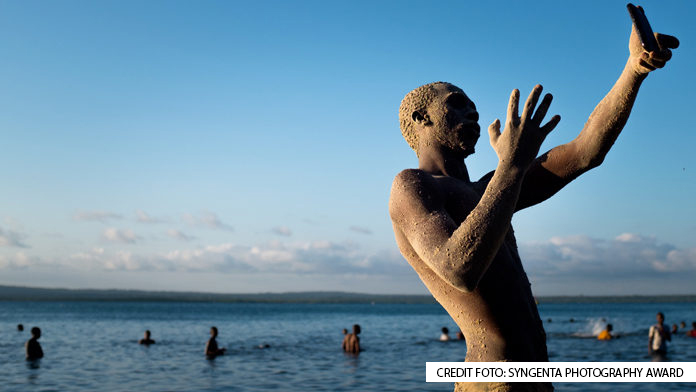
648	54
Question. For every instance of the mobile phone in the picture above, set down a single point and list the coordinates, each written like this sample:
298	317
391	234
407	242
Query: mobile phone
647	38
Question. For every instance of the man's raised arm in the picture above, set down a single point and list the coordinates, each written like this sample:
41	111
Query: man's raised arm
559	166
460	254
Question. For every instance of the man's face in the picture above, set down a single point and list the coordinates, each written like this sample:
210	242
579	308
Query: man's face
660	318
455	120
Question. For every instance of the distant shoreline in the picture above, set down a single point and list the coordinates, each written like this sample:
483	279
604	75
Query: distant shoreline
22	293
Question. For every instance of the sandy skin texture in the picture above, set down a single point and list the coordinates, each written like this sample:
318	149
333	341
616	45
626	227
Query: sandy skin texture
456	233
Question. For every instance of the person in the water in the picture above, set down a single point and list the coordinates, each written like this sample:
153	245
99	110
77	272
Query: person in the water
32	347
445	335
351	343
146	339
211	348
606	333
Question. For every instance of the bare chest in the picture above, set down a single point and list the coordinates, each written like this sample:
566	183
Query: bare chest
459	198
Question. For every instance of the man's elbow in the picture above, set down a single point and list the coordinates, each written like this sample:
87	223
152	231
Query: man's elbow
594	161
464	282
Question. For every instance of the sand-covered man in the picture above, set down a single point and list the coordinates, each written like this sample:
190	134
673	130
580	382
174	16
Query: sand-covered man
456	233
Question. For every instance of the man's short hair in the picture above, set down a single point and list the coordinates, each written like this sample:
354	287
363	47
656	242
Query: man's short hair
418	100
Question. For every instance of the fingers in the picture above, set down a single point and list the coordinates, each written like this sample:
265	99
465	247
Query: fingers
645	61
656	59
494	131
513	107
543	108
667	41
531	102
546	129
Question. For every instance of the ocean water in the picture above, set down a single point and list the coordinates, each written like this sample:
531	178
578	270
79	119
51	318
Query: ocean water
93	346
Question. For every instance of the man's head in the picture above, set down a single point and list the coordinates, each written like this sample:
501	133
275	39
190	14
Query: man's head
445	330
660	317
20	327
610	327
213	331
356	329
36	332
147	334
345	331
440	113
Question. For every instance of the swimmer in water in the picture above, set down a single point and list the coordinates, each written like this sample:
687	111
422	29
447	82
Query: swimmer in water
445	335
351	343
32	347
606	334
146	340
211	348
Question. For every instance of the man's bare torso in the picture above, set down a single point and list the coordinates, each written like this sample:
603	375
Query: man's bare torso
499	318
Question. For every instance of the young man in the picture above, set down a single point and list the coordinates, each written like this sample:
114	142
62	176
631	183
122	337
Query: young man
444	336
351	342
606	333
456	233
146	339
32	347
658	336
211	348
692	332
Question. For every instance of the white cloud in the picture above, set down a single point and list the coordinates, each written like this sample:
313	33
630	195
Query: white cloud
301	258
206	219
361	230
121	236
143	217
12	239
99	259
282	231
179	235
96	216
628	255
18	261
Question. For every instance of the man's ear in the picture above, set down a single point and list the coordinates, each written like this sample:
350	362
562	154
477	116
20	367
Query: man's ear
420	118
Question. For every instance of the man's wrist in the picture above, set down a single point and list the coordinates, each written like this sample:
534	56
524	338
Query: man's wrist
511	170
635	70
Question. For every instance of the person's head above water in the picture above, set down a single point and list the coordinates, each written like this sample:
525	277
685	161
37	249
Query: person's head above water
36	332
610	327
660	317
345	331
213	331
147	334
20	327
439	115
356	329
445	330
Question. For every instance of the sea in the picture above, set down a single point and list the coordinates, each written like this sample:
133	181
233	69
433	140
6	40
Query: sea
92	346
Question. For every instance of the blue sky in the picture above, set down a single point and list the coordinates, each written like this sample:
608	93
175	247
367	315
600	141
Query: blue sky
238	147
